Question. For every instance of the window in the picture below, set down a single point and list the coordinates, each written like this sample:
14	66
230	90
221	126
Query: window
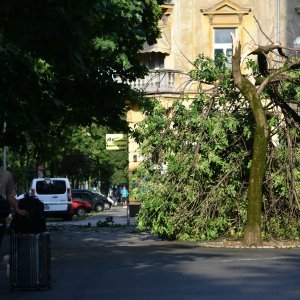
49	187
223	42
77	195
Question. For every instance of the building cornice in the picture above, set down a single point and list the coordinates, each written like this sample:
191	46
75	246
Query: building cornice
226	7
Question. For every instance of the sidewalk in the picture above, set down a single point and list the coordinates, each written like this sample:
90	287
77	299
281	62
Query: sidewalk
88	233
118	213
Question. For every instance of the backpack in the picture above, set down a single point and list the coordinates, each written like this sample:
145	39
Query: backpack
4	208
35	221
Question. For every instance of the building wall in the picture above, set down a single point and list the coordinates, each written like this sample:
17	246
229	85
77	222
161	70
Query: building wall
290	21
192	23
192	33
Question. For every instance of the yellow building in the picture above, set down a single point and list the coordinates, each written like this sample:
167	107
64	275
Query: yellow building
191	27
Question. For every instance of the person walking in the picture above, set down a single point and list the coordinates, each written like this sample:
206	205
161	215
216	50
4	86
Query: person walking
115	193
8	195
124	194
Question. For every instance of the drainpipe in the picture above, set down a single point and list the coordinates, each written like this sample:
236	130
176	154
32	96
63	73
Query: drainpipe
278	21
193	31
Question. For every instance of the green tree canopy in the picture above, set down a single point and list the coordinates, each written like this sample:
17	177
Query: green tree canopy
78	152
60	61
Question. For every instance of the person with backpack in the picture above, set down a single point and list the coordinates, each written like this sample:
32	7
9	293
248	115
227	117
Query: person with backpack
7	200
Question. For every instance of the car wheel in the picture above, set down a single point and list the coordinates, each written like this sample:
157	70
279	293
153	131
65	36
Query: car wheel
80	212
107	206
99	207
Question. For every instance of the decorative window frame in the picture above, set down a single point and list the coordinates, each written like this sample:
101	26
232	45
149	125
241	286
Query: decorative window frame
225	14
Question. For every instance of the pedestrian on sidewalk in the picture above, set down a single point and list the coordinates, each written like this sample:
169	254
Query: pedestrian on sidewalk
116	195
8	199
124	193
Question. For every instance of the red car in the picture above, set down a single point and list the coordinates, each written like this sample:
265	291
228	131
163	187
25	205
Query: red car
80	208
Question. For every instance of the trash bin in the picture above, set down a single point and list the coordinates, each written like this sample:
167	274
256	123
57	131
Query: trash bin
30	259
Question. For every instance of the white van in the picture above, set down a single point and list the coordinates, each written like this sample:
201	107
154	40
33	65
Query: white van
55	193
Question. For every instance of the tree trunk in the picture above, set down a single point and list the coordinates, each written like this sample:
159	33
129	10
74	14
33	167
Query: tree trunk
261	137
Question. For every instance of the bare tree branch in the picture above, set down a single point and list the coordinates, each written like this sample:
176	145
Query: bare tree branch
291	66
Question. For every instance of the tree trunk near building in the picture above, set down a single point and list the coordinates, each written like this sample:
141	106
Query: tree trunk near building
261	139
271	70
257	172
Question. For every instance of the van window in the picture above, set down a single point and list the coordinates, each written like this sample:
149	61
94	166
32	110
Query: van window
48	187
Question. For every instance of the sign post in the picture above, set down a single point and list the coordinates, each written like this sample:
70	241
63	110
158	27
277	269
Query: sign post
117	141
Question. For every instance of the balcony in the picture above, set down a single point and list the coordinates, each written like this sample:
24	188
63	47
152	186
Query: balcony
165	81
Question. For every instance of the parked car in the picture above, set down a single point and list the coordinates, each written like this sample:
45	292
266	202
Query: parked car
108	202
80	208
97	202
55	193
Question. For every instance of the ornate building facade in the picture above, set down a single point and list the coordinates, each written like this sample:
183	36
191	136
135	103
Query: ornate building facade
193	27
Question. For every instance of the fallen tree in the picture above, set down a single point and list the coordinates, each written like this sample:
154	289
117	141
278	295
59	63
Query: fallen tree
232	153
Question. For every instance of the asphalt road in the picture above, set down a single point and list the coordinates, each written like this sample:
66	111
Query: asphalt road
120	263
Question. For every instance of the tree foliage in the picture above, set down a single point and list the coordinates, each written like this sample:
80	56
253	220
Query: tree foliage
78	152
82	156
207	145
59	62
